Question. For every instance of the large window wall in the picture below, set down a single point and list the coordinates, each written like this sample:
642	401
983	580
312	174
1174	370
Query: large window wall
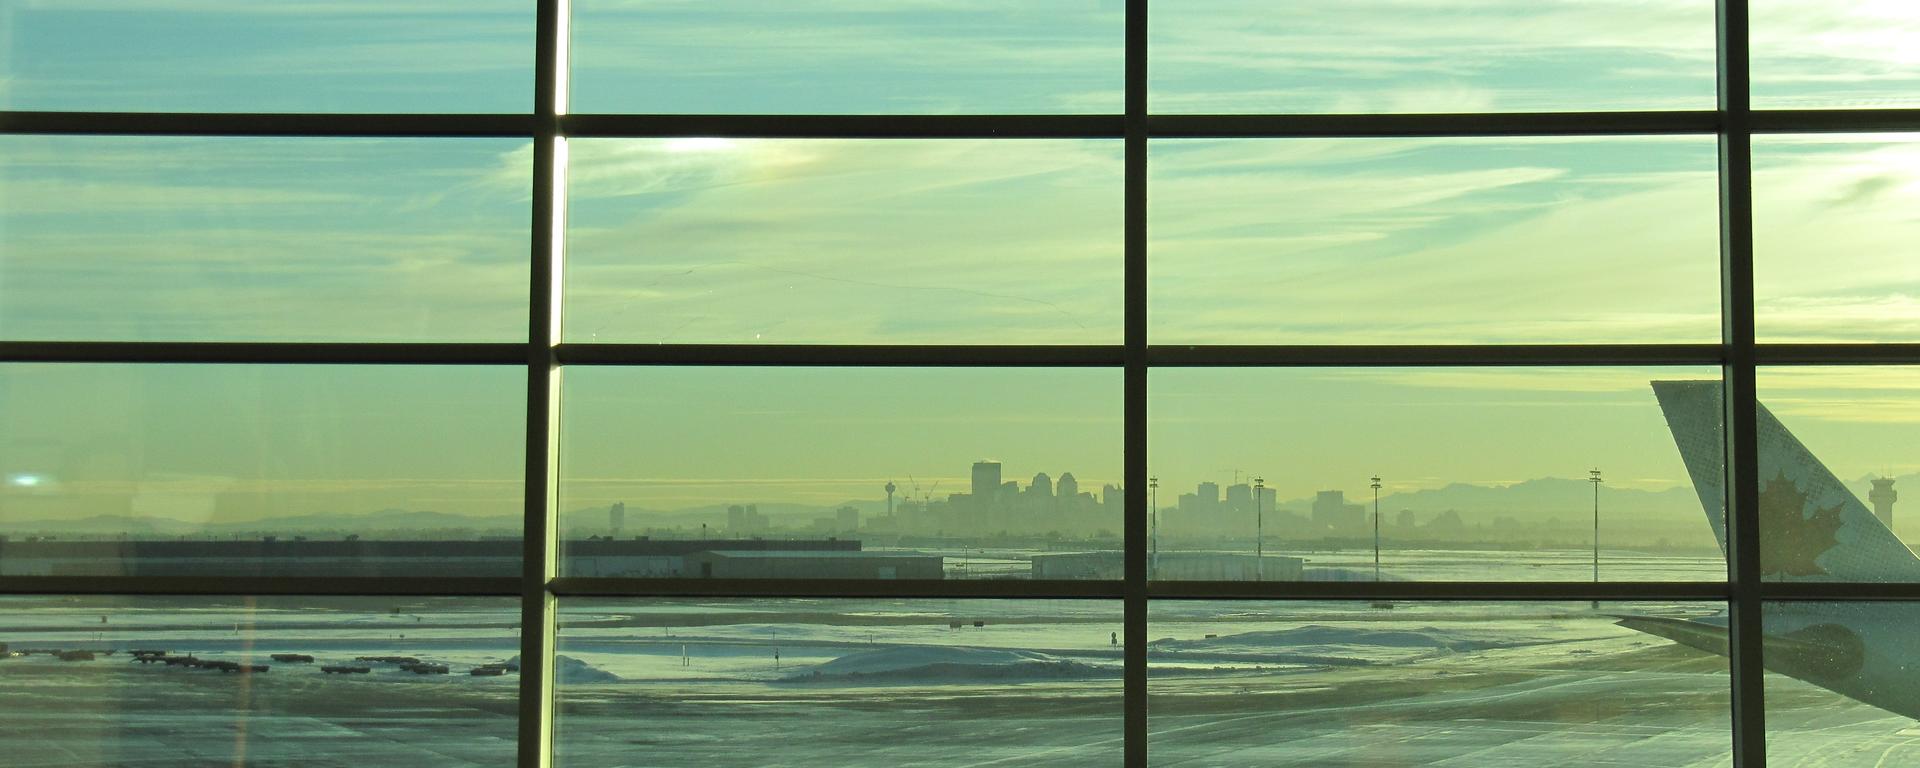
617	383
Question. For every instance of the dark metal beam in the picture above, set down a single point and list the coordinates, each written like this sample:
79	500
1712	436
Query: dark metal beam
857	355
1438	590
267	124
1834	120
1411	355
260	353
845	126
317	586
576	587
1433	125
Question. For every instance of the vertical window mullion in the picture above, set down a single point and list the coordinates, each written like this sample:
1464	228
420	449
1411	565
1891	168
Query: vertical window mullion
1740	400
1135	377
538	528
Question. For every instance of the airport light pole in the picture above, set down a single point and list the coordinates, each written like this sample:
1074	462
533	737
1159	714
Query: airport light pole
1153	501
1376	527
1593	476
1259	530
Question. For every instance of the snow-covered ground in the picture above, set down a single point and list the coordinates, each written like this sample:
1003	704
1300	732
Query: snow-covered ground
900	683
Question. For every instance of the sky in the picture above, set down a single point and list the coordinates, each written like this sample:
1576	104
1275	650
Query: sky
700	240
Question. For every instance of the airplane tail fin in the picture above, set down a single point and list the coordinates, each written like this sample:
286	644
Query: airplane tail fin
1812	528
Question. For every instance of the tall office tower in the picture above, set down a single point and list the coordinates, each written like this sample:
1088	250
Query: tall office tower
617	518
1883	496
1042	485
1240	498
986	482
1330	510
1067	487
1209	494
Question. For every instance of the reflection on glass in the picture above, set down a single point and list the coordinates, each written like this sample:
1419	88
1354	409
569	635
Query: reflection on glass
1833	238
882	57
1432	684
1840	688
868	473
263	239
182	470
838	683
1345	474
1819	54
1394	241
713	240
1321	56
239	56
1836	447
174	682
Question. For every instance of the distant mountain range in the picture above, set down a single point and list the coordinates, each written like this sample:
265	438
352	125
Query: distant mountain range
1533	499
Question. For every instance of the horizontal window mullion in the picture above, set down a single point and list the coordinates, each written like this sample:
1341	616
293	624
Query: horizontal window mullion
565	587
318	586
324	353
270	124
1436	590
1837	354
1852	591
1414	125
848	355
1416	355
846	126
1834	120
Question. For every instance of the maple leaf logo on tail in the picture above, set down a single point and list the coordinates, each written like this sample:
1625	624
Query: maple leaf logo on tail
1803	507
1792	536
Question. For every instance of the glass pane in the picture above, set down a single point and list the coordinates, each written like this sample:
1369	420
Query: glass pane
1433	684
181	470
1816	54
258	681
1401	241
1837	690
862	473
932	242
257	239
1340	56
869	57
852	683
1836	447
239	56
1834	238
1483	474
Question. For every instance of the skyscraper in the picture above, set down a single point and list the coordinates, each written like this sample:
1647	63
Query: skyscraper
986	481
1042	485
1067	487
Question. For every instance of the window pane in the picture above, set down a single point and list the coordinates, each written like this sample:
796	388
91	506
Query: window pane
1319	56
1433	684
1809	54
1396	241
1836	447
870	57
1836	688
867	473
1484	474
935	242
254	239
1834	235
238	56
853	683
181	470
271	681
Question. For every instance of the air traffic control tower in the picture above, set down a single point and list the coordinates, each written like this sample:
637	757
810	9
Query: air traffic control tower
1883	496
